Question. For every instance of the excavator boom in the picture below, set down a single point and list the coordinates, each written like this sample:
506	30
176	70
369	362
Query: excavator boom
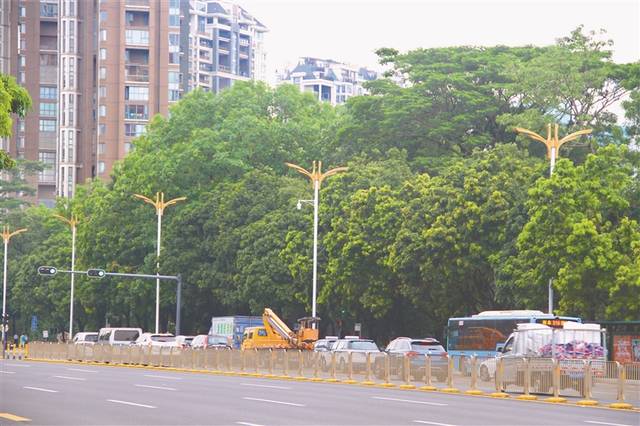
272	321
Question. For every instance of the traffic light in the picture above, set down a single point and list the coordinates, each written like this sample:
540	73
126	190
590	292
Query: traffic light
47	270
96	273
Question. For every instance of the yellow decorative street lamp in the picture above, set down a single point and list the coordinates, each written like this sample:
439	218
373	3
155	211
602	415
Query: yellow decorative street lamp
72	222
159	204
553	144
316	176
6	236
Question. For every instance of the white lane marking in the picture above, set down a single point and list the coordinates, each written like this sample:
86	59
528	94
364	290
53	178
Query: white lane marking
604	423
82	370
247	424
264	386
424	422
412	401
70	378
40	389
117	401
20	365
8	372
274	402
156	387
162	377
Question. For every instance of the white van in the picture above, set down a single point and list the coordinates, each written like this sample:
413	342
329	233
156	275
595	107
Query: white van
85	338
118	336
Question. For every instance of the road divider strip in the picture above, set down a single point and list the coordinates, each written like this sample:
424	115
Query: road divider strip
594	422
8	372
274	402
13	417
70	378
135	404
40	389
265	386
411	401
156	387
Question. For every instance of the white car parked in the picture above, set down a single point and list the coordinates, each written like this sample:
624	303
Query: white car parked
85	338
157	340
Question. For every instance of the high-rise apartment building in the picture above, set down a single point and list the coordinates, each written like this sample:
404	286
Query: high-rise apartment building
98	70
329	80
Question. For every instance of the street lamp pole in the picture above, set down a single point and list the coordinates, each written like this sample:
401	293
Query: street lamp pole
6	236
316	176
159	204
553	145
72	222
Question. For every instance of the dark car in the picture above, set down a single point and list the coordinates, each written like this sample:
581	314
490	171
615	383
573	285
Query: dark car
415	350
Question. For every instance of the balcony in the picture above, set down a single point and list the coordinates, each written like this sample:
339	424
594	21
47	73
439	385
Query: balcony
138	37
224	68
244	41
47	140
48	74
137	3
139	73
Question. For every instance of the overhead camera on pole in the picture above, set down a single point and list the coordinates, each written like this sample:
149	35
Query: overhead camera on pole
96	273
47	270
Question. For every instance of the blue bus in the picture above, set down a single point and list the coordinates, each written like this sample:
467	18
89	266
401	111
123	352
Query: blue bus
480	334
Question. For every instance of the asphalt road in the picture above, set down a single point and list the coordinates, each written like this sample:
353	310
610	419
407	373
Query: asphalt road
68	394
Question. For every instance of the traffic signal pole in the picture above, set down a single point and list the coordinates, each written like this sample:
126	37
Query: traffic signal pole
99	273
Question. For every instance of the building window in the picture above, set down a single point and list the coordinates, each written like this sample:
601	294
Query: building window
48	10
136	93
20	125
22	60
22	77
103	73
102	110
101	167
47	92
103	54
22	12
103	35
136	112
102	148
103	16
136	37
49	161
133	129
47	125
174	20
174	95
20	142
102	128
103	92
174	58
48	110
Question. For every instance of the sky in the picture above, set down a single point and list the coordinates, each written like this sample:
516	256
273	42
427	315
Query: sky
351	30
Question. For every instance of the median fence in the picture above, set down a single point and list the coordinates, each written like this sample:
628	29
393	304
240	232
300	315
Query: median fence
585	382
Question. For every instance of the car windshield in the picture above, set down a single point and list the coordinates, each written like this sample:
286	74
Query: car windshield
163	338
217	340
91	338
426	347
126	335
363	346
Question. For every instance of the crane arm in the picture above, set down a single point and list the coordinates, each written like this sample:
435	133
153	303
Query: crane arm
275	324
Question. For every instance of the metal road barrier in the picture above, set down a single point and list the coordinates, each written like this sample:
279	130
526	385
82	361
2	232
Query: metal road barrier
590	381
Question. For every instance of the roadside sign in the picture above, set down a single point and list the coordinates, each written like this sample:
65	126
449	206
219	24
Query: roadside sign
34	323
45	334
357	327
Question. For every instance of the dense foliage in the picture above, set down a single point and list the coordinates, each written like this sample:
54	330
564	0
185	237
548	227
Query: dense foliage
444	210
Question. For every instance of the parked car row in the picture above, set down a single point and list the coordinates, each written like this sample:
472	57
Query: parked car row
135	336
396	351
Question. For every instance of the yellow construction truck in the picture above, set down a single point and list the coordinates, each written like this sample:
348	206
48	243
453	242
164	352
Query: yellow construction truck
275	334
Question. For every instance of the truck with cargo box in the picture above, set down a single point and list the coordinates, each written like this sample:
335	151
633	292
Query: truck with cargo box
233	327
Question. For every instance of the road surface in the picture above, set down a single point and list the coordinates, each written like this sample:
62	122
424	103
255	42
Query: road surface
70	394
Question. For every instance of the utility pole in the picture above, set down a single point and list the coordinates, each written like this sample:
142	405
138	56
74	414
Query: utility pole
6	236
